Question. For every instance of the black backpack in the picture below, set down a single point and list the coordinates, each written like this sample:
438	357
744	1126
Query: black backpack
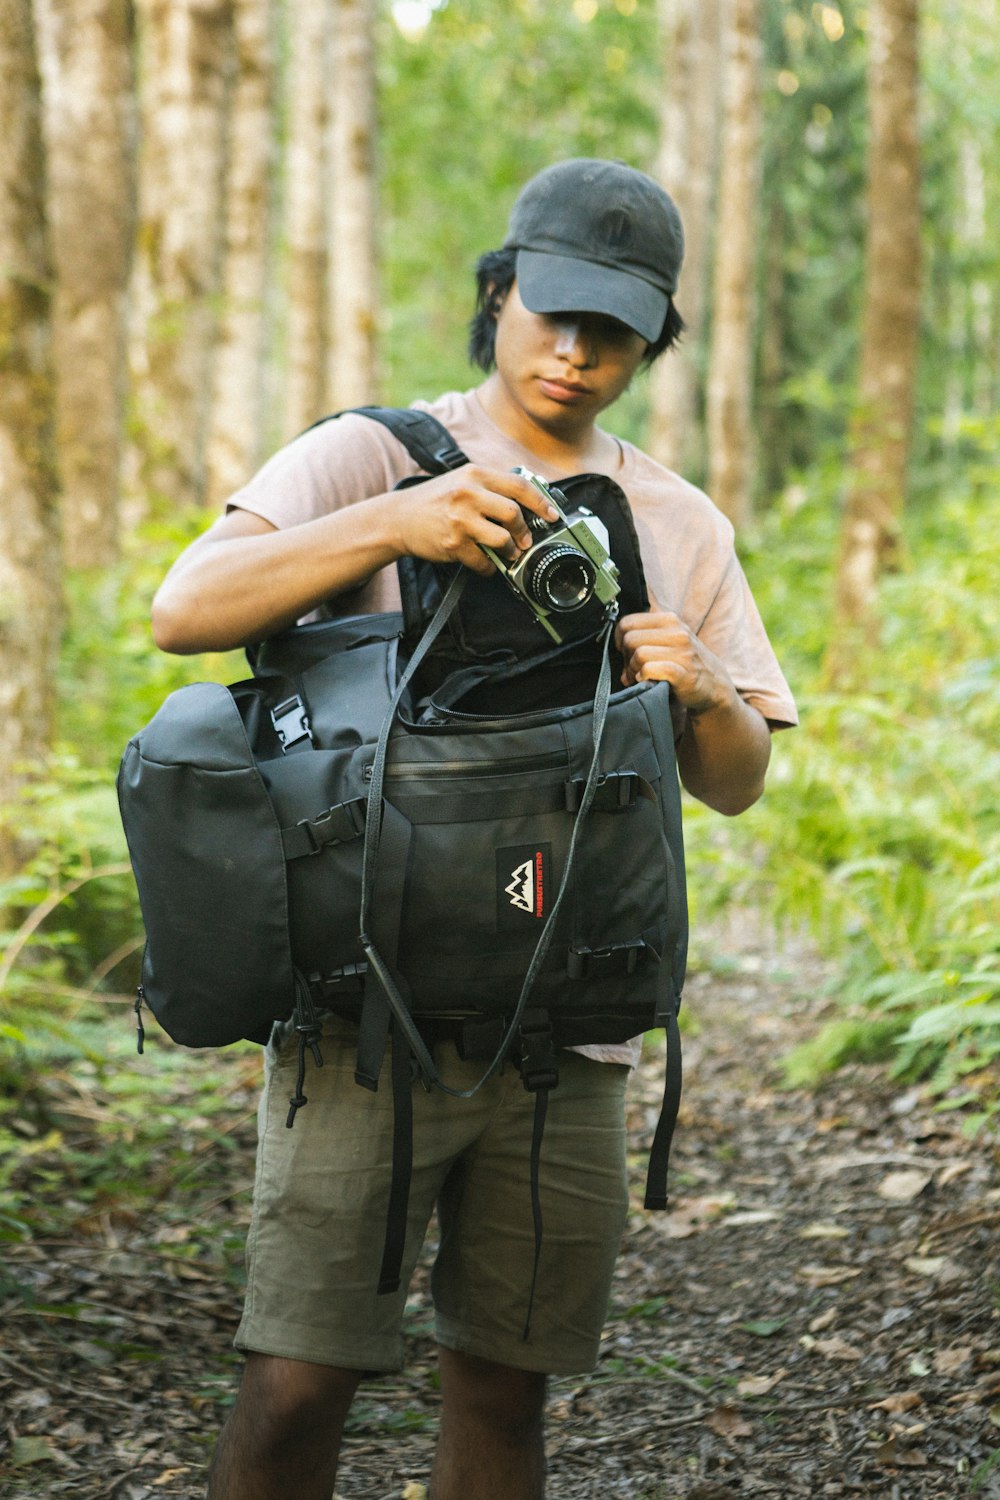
523	884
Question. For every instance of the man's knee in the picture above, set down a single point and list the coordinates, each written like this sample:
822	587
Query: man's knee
497	1397
284	1401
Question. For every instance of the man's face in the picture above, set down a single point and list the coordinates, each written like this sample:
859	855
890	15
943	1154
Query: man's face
563	369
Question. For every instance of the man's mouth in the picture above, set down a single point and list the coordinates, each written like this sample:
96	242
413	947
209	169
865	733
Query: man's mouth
562	390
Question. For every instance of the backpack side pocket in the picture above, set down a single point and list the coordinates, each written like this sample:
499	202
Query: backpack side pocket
206	851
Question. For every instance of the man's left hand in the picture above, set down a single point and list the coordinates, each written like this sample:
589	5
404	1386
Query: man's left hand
659	647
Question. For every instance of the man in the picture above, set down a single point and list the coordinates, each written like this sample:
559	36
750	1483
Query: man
577	301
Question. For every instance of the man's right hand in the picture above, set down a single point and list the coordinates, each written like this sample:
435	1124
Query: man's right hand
451	517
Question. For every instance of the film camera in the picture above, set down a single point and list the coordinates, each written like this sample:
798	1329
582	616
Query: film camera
566	576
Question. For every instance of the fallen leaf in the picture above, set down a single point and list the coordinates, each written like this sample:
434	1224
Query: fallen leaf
925	1265
824	1320
169	1475
728	1422
821	1231
759	1385
827	1275
905	1401
30	1450
837	1348
691	1215
955	1169
764	1328
894	1453
414	1491
752	1216
950	1361
903	1187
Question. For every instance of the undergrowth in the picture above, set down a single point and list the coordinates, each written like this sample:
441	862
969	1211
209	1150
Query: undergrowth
879	833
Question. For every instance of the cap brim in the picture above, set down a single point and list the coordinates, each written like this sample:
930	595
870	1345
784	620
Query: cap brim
561	283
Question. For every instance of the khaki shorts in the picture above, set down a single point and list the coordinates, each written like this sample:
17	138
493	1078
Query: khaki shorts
315	1243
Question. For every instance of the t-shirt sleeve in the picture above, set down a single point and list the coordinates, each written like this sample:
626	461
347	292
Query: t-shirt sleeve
330	466
733	629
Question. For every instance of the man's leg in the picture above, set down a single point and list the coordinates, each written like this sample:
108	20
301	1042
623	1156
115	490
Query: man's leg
491	1444
282	1438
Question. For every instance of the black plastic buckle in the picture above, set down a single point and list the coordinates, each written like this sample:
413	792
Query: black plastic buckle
337	825
291	723
538	1066
615	792
597	963
324	987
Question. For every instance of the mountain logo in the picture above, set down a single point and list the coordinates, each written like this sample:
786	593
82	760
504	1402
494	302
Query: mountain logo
522	884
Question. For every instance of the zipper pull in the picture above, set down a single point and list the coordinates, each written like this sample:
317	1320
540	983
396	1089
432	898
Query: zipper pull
140	1030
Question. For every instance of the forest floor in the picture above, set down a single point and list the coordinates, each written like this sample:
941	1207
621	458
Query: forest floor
818	1315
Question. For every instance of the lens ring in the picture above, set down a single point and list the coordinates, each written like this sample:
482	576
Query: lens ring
561	578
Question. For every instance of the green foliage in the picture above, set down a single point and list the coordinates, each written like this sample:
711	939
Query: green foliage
880	833
69	951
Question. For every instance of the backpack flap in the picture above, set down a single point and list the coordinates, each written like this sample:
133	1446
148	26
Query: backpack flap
207	855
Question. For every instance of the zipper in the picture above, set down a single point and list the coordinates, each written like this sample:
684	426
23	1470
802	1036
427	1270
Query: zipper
419	770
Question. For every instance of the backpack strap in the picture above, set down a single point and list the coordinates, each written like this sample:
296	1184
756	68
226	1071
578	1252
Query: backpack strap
427	442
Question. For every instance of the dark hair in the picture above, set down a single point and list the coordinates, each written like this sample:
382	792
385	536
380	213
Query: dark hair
495	275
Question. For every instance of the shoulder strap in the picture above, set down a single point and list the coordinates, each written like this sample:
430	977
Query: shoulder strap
428	443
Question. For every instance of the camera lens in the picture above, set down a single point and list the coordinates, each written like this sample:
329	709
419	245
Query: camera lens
560	578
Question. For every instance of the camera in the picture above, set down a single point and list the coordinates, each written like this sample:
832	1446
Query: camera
566	576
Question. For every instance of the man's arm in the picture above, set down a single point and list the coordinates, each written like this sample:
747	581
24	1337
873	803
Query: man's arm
245	580
723	754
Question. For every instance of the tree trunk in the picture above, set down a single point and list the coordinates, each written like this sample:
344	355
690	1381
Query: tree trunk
237	436
307	198
689	140
733	304
890	324
30	573
86	55
353	239
186	55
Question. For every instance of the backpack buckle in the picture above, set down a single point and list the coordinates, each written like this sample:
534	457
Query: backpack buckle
291	723
597	963
537	1064
615	791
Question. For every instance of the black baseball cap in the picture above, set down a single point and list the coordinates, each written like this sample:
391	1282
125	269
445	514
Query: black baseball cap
597	236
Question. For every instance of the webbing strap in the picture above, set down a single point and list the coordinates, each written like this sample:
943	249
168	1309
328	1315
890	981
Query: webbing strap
402	1167
394	848
537	1131
659	1155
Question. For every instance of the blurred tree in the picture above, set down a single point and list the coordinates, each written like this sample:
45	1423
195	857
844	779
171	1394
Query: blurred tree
186	52
729	394
85	49
876	481
237	433
30	573
689	139
306	207
353	256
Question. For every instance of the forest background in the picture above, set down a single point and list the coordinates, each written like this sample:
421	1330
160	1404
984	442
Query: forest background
221	219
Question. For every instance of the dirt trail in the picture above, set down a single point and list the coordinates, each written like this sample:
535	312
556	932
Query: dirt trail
817	1316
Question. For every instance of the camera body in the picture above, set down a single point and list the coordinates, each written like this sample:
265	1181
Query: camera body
566	577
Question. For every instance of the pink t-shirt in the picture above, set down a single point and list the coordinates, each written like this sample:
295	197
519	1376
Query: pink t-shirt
686	543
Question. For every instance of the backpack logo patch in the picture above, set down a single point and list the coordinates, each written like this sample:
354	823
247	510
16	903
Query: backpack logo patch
522	884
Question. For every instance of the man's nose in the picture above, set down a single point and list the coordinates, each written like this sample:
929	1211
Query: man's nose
575	343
